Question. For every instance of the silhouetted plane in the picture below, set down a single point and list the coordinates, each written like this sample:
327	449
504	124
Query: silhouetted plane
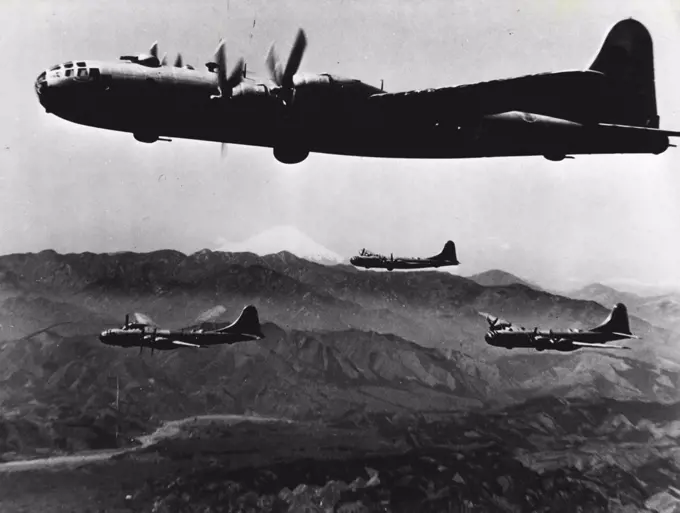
502	334
606	109
367	260
145	333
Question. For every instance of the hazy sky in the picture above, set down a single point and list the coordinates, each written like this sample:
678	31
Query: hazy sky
74	188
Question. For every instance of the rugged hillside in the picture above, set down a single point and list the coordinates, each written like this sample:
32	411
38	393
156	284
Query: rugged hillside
545	455
338	341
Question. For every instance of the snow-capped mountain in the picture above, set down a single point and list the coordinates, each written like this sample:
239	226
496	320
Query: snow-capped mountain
284	238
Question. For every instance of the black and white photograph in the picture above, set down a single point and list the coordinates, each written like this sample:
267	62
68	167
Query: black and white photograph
340	256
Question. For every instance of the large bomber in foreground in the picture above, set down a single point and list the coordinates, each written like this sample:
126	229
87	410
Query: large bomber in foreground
608	108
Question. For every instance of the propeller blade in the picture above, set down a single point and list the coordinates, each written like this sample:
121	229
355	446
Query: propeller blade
223	150
154	49
294	59
221	60
236	75
127	320
274	66
178	61
164	60
490	319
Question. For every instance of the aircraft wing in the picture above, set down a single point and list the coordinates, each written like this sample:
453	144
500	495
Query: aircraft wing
185	344
601	346
141	318
563	95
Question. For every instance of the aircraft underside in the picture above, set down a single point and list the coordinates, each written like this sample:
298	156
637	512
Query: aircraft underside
358	131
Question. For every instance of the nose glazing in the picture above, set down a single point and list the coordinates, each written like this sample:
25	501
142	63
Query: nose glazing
41	83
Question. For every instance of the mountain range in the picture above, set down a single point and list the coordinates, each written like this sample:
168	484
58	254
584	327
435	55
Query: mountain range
662	309
338	342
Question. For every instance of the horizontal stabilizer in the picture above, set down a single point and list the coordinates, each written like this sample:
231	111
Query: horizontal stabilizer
627	335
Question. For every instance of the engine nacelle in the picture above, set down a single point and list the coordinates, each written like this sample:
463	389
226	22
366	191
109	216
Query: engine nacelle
146	138
290	155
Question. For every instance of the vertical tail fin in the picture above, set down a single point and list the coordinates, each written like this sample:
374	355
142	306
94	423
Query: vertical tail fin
616	322
627	61
448	253
248	323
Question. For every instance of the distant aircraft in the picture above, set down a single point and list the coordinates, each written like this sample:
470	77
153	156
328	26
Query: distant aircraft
502	334
145	333
608	108
367	260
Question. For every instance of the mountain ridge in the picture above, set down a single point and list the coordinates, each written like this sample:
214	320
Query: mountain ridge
337	340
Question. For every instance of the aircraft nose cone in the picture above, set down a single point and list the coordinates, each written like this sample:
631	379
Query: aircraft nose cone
353	260
103	336
41	89
40	83
489	337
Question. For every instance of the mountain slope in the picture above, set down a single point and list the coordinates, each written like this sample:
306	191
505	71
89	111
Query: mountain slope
338	341
498	278
662	310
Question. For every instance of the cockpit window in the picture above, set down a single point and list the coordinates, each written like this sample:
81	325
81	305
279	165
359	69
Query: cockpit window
68	72
55	68
94	73
68	64
42	76
81	64
82	72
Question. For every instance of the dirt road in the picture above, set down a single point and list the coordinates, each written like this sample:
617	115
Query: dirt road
167	430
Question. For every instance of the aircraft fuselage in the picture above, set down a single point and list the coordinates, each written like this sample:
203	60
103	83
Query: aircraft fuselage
162	340
547	340
398	263
330	114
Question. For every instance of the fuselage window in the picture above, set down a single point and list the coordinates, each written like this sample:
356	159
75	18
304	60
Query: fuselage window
68	72
82	72
94	73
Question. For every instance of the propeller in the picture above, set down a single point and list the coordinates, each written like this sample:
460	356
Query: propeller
178	61
226	83
490	319
150	338
283	77
153	51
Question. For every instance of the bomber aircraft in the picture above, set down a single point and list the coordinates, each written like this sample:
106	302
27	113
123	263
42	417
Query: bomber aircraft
608	108
502	334
367	260
143	332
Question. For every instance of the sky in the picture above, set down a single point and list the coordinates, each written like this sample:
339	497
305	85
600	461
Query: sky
613	219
